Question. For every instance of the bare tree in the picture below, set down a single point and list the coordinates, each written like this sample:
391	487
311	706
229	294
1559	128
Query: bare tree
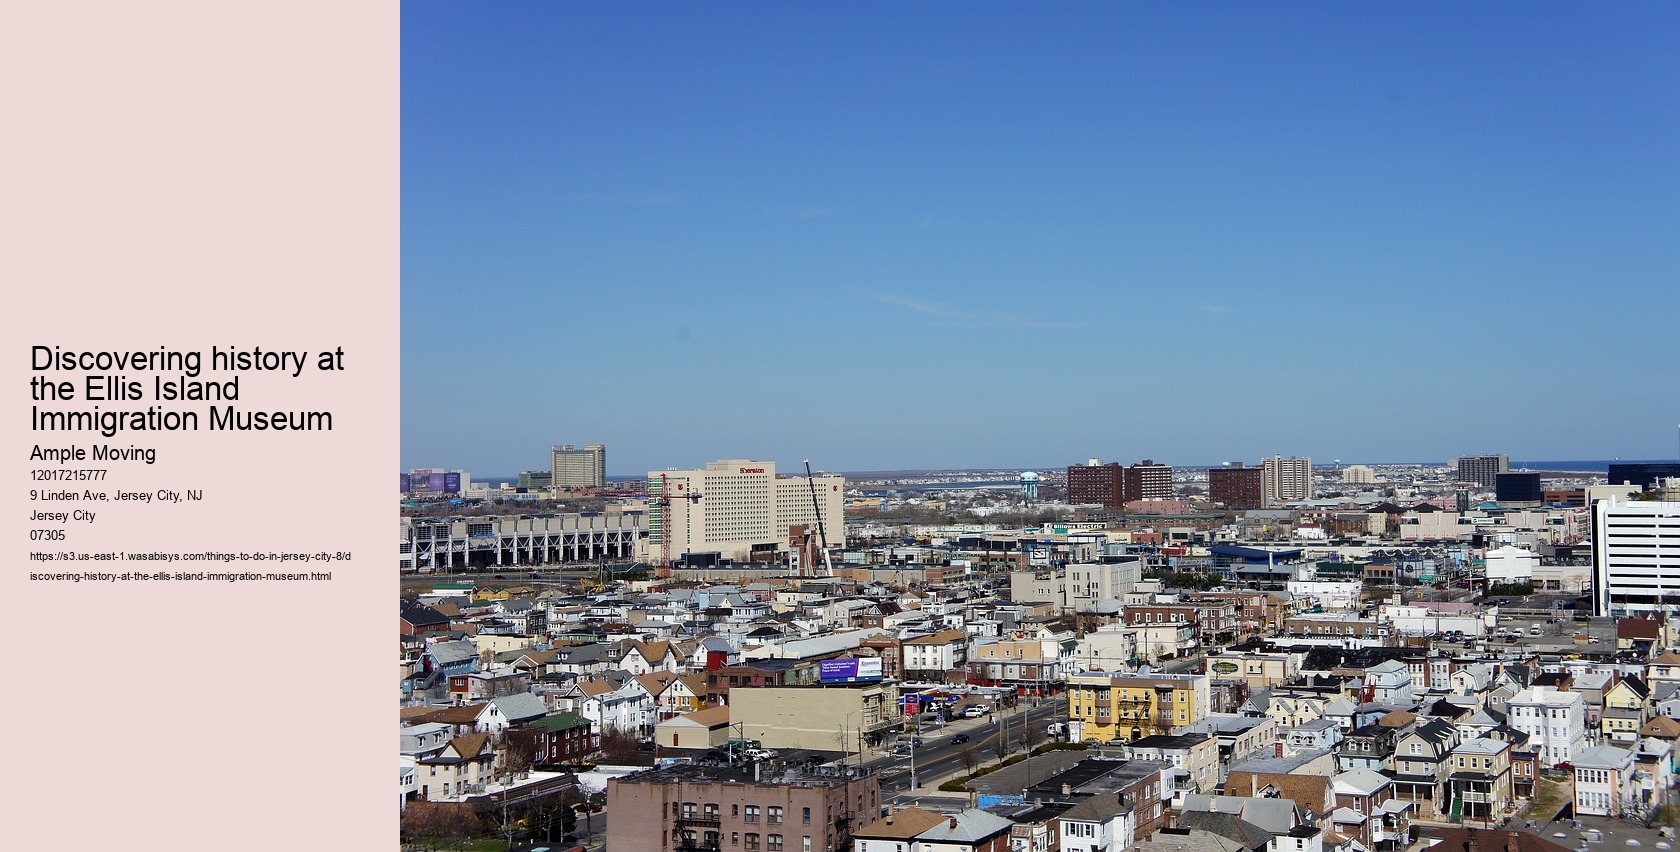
431	825
970	757
616	742
1000	747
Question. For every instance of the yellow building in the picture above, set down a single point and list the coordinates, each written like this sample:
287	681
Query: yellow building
1104	706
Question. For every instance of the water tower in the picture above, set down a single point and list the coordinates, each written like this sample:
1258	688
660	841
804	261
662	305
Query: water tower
1029	485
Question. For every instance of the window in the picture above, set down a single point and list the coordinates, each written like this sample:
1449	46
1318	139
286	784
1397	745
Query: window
752	840
734	838
735	810
773	815
752	816
807	816
773	843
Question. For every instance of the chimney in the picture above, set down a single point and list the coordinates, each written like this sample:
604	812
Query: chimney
889	819
953	823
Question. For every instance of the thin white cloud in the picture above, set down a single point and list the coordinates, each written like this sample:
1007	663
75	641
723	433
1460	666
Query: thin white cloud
976	319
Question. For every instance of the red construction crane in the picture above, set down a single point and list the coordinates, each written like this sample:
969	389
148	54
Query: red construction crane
663	500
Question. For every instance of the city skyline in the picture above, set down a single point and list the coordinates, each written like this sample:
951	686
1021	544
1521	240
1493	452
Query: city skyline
1005	238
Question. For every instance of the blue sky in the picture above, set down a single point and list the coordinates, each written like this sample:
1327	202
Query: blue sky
972	235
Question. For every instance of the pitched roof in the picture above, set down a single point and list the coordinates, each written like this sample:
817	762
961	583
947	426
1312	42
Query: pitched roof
970	826
904	824
710	717
560	722
656	682
520	706
1225	825
423	616
1664	727
1397	719
1457	839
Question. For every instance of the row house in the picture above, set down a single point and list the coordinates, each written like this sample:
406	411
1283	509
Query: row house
1554	721
1195	753
1217	621
1604	782
773	672
1258	670
1165	641
1029	666
1097	824
462	719
1627	707
1239	736
1256	612
641	658
891	652
1370	747
1389	683
1422	766
626	707
502	680
1480	780
929	658
1367	811
1316	735
558	739
462	767
672	694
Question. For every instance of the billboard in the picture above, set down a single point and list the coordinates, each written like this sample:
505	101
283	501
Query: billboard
850	670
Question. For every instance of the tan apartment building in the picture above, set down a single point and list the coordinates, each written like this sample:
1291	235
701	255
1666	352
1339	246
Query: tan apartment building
1105	706
1257	670
1029	666
688	808
738	508
1195	753
836	717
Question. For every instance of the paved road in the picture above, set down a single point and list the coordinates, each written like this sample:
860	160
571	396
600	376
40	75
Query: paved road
939	757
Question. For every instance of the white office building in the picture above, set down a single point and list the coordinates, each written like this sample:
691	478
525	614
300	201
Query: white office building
1636	556
740	509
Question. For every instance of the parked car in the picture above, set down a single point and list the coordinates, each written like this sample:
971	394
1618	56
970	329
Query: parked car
959	739
973	711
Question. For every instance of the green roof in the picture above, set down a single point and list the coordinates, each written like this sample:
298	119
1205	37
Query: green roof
560	722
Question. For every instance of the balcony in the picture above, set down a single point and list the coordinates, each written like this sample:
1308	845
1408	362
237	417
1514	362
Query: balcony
698	822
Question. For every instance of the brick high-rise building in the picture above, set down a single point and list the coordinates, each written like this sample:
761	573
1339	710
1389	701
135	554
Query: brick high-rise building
1103	484
1236	487
1112	486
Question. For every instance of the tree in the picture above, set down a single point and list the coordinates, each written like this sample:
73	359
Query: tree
1031	736
617	742
970	757
433	824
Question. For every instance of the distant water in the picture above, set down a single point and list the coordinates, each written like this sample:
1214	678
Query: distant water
1593	465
